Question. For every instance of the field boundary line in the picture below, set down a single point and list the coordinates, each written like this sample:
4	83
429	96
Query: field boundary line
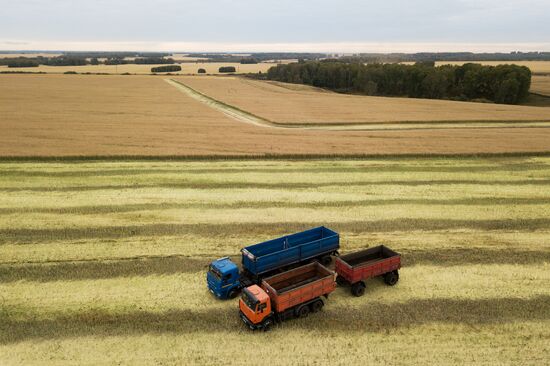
267	156
250	118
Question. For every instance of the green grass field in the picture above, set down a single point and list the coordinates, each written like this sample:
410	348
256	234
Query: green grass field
104	262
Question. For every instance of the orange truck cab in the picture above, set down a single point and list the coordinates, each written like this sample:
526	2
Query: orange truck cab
293	293
255	307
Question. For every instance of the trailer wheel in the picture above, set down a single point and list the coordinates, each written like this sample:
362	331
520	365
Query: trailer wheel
326	260
303	311
341	280
391	278
358	288
317	306
233	293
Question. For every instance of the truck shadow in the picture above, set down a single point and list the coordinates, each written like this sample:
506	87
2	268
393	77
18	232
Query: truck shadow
102	269
370	317
169	265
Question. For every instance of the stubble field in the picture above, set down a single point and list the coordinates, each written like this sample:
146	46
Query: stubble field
90	115
104	262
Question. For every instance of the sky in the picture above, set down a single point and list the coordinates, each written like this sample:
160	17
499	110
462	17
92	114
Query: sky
276	25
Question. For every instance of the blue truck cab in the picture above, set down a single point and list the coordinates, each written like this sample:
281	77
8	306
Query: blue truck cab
269	257
223	278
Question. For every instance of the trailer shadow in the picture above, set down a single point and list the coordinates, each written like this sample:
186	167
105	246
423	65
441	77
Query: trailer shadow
370	317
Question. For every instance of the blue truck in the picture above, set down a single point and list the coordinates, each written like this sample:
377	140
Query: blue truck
267	258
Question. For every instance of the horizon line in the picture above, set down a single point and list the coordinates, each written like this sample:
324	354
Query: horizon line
224	47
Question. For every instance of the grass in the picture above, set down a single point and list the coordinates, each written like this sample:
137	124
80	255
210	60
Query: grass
103	261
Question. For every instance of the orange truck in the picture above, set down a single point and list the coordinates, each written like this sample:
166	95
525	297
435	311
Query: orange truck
290	294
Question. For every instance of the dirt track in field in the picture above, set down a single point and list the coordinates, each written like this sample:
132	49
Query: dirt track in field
247	117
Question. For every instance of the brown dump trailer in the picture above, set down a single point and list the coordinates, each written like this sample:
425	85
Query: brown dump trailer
356	267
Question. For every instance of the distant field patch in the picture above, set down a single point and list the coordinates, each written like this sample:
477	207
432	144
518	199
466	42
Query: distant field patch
541	85
186	68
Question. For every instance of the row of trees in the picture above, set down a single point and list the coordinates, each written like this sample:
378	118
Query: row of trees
227	69
444	56
168	68
501	84
71	60
49	61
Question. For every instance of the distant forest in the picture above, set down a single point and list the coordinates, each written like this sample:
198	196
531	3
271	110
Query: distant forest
444	56
258	57
508	84
118	58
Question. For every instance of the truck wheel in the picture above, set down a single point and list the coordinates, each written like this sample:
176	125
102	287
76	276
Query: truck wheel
341	280
317	306
303	312
391	278
267	325
358	288
326	260
233	293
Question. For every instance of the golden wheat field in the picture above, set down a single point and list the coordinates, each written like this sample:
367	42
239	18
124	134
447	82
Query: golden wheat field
541	85
60	115
186	68
290	105
104	262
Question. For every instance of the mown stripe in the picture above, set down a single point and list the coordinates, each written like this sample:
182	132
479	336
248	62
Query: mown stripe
106	172
280	186
24	236
175	264
105	209
370	317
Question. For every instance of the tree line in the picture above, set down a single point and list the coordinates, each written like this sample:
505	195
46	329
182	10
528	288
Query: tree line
507	84
74	60
168	68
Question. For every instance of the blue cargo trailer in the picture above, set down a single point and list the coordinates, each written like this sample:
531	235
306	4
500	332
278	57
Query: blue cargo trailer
266	258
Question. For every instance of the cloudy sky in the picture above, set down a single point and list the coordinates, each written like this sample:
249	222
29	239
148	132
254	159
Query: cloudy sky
276	25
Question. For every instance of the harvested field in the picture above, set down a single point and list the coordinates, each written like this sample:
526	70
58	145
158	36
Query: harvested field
541	85
90	115
286	105
104	262
186	68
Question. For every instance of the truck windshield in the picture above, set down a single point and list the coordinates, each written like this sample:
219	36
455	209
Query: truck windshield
249	299
215	272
